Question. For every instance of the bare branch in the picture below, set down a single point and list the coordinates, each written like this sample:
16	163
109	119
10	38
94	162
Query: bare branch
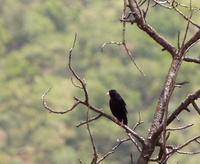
181	83
111	42
196	107
123	43
82	81
124	39
185	17
120	142
179	128
113	149
164	4
187	59
188	153
186	31
134	142
89	120
138	123
143	25
92	141
190	43
131	155
53	111
78	86
178	40
175	149
105	156
197	141
180	108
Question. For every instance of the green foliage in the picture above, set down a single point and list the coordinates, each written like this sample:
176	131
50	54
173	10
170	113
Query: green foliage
35	37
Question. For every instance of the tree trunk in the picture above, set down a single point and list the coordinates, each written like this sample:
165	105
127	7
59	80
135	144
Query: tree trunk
161	111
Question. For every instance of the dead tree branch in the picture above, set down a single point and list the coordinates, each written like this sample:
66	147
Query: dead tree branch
179	128
54	111
176	149
113	149
143	25
191	98
188	59
95	155
89	120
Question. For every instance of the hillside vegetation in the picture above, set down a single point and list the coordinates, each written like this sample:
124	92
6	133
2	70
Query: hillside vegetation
35	38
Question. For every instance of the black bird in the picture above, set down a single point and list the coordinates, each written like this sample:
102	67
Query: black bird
118	106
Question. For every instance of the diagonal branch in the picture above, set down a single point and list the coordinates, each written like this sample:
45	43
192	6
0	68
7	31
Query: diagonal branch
89	120
176	149
180	108
143	25
134	142
191	42
185	17
196	107
113	149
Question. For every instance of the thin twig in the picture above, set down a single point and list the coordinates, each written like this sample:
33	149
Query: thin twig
191	42
179	128
196	107
138	123
186	30
188	59
113	149
53	111
131	155
197	141
89	120
180	108
188	153
175	149
181	83
147	8
124	39
80	161
92	140
78	86
105	156
82	81
185	17
111	42
119	143
164	4
134	142
178	40
123	43
143	25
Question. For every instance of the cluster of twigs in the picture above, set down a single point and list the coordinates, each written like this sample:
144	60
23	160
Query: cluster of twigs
158	133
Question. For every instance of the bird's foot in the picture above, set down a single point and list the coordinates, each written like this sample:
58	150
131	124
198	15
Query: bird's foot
119	122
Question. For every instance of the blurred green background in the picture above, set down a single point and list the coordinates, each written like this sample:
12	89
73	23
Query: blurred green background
35	38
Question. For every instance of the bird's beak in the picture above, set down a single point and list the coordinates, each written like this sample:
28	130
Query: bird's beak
107	93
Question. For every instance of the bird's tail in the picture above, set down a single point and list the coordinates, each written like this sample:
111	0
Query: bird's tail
125	121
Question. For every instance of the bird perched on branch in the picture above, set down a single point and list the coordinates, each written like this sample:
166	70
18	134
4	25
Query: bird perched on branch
118	106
